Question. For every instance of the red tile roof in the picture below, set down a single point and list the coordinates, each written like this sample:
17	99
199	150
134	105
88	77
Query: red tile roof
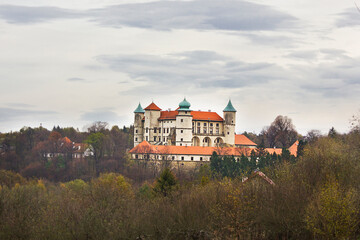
294	148
167	115
66	140
145	147
80	147
153	106
197	115
261	175
241	139
278	151
212	116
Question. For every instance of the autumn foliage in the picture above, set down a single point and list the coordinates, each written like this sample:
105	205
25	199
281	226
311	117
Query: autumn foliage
314	197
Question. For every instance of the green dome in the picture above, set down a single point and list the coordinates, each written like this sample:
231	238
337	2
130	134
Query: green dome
139	109
229	107
184	105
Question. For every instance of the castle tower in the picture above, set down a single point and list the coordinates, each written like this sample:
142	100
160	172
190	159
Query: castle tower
151	125
138	125
184	124
230	121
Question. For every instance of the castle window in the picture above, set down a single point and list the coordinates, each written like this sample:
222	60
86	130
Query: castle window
204	124
180	144
217	130
198	124
159	139
167	130
192	158
211	124
200	158
217	124
228	133
147	130
154	139
181	120
164	139
182	158
172	158
154	130
135	139
181	139
147	139
198	130
181	131
193	129
164	130
136	131
185	112
205	130
211	130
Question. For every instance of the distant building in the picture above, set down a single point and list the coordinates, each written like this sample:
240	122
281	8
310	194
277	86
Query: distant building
189	136
65	147
147	151
183	126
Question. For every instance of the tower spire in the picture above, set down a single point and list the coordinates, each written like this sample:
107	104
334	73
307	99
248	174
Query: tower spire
229	107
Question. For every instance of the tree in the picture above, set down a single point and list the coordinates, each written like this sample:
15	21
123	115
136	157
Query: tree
281	132
355	123
312	136
165	183
333	213
97	127
96	141
332	133
215	163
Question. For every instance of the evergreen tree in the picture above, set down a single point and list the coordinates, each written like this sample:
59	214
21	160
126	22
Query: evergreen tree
165	183
215	163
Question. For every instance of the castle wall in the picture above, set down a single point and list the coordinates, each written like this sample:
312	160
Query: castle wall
208	127
170	157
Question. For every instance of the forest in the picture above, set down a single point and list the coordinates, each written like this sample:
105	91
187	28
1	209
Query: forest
312	196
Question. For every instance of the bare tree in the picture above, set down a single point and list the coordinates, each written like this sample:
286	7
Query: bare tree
355	122
97	127
281	132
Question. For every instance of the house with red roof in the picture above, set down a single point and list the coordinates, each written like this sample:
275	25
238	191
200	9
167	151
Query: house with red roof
184	127
65	147
242	141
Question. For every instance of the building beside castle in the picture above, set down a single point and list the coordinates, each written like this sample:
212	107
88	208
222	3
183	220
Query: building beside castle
184	127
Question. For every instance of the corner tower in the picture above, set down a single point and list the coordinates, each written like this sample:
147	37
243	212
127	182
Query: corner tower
138	125
230	121
151	124
184	124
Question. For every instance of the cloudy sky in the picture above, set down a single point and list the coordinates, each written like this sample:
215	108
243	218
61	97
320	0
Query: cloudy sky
70	63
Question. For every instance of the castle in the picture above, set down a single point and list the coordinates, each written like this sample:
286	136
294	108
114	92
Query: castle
187	136
184	127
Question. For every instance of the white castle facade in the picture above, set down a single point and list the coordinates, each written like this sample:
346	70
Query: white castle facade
184	127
